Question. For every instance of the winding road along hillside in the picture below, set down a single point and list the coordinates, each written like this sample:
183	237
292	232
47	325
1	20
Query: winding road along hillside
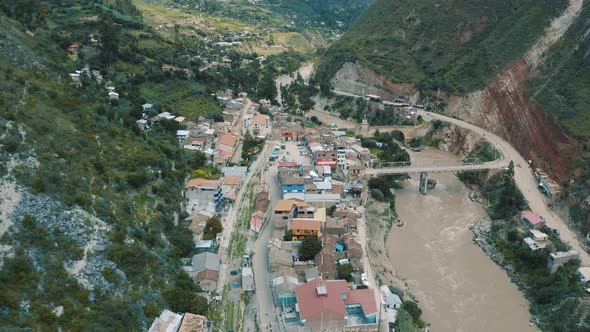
525	181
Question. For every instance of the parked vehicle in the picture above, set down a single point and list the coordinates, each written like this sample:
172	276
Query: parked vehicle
556	232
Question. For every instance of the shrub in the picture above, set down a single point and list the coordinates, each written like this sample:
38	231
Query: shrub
377	195
345	272
212	228
412	308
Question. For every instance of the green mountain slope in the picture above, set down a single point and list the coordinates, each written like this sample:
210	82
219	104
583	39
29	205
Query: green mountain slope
458	46
562	87
80	163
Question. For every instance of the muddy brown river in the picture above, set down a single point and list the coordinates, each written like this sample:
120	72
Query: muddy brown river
459	288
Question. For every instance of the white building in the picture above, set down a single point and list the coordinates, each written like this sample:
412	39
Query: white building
167	322
182	135
341	155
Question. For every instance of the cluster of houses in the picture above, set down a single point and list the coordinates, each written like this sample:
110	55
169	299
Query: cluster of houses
537	239
169	321
76	77
403	111
318	171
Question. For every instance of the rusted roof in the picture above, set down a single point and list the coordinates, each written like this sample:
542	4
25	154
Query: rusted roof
193	323
306	224
228	140
284	205
202	183
232	180
260	119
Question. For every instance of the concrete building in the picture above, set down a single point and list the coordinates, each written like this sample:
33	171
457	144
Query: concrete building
557	259
259	126
538	236
584	274
329	305
529	242
283	211
167	322
293	187
234	171
341	157
182	135
205	269
227	142
202	192
302	228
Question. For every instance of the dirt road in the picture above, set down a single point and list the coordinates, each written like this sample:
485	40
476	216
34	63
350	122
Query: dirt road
526	182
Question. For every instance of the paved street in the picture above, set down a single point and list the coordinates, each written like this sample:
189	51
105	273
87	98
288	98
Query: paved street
264	298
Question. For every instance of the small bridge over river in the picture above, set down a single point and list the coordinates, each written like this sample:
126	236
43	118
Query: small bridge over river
423	167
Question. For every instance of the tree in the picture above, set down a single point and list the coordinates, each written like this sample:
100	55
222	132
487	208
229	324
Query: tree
109	36
345	272
199	159
212	228
310	247
412	308
331	210
288	235
184	297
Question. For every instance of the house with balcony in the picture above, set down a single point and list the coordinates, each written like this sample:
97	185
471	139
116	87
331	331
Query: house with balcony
293	187
301	228
203	194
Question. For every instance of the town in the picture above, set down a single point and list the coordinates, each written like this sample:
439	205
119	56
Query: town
280	166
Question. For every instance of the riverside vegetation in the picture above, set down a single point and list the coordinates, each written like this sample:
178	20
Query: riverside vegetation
553	296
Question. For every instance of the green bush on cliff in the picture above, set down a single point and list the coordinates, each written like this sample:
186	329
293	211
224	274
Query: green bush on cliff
503	196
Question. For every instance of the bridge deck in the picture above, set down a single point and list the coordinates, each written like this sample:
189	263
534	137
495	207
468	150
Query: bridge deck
437	168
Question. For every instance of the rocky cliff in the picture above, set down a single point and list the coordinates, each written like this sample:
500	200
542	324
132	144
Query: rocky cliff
357	79
505	106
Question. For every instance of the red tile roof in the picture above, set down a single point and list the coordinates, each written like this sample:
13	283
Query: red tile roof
364	297
287	164
532	217
313	306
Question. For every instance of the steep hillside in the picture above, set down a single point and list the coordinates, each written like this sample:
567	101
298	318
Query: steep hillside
561	86
88	234
457	46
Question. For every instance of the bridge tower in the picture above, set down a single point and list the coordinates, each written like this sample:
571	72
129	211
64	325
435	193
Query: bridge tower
423	183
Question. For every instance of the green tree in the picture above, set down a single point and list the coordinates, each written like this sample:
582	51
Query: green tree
345	272
310	247
212	228
184	296
412	308
110	39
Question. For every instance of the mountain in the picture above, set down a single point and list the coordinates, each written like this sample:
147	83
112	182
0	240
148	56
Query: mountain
458	46
519	68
